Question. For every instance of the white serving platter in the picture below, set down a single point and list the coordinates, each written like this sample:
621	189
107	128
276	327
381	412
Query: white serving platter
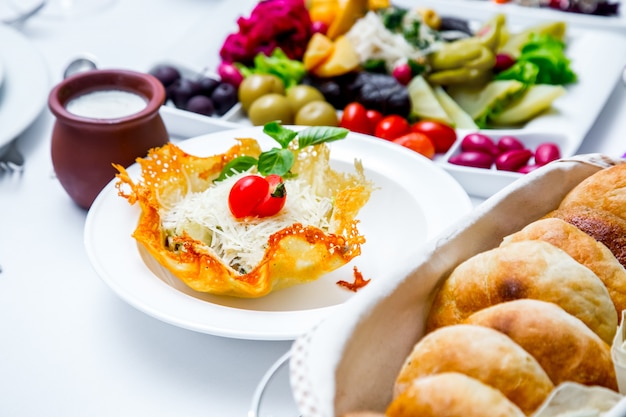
598	58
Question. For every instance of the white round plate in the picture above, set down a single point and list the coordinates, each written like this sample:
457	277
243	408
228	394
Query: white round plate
25	89
414	201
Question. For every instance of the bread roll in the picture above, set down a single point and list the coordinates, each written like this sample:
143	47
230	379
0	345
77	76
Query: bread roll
564	347
451	395
481	353
529	269
605	190
584	249
602	225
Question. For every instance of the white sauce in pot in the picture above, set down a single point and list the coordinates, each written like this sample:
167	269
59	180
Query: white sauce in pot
106	104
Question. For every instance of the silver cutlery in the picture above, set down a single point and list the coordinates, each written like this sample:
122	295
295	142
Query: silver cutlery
22	17
11	159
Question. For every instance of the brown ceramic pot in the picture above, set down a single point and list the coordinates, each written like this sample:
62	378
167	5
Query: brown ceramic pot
83	149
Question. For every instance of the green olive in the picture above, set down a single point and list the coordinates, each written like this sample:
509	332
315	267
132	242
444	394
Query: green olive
299	95
257	85
317	113
271	107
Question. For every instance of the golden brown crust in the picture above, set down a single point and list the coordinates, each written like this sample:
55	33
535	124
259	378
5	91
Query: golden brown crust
564	347
583	248
605	190
529	269
481	353
602	225
451	395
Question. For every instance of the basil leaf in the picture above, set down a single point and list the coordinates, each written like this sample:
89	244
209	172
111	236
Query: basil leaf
315	135
239	164
279	133
276	161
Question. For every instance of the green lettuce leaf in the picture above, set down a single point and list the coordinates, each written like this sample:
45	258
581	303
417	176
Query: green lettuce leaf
542	61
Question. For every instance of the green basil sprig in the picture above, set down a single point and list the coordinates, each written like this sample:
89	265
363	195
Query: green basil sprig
280	160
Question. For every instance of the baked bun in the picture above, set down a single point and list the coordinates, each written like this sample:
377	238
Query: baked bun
481	353
450	395
605	190
602	225
529	269
574	353
583	248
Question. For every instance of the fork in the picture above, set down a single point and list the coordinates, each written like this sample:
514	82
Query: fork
11	159
24	16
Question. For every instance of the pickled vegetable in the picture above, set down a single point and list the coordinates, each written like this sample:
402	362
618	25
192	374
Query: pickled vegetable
514	44
424	103
491	31
461	63
460	118
513	160
474	159
535	100
482	104
479	143
546	153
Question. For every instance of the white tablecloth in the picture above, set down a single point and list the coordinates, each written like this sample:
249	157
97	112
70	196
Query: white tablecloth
69	346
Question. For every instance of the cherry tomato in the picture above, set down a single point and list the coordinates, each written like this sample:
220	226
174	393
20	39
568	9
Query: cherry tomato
254	195
275	199
373	117
354	118
391	127
417	142
442	135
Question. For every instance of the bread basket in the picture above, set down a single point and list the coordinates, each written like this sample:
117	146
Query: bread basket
349	361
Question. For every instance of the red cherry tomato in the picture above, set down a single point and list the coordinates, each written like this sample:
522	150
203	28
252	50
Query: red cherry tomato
417	142
354	118
254	195
442	135
275	199
391	127
373	117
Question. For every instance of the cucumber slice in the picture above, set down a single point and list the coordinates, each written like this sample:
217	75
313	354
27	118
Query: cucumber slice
460	118
483	102
535	100
424	103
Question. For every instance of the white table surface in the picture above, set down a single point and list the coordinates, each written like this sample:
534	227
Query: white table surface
69	346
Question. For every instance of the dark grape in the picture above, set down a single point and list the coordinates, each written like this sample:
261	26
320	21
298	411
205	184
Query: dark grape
203	94
455	24
207	85
181	91
167	74
224	98
201	104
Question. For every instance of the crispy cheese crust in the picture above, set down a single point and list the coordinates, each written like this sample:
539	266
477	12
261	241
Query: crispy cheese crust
294	255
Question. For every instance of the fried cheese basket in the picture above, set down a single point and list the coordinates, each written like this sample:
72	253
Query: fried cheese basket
168	174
